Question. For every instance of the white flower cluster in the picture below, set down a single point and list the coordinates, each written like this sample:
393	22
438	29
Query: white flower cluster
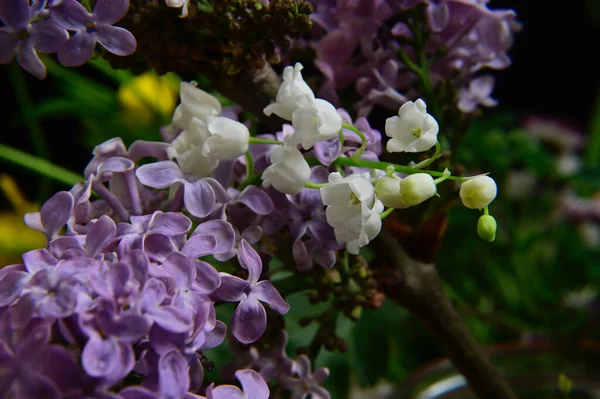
206	137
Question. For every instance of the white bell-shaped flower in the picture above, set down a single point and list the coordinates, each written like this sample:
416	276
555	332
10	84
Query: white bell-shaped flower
314	121
292	88
228	138
352	210
288	171
387	189
187	149
413	130
195	103
417	188
478	192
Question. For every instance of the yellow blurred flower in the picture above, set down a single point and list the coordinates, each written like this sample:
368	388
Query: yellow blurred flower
15	237
148	97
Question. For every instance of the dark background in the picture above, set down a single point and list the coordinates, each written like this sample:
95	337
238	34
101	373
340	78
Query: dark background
554	73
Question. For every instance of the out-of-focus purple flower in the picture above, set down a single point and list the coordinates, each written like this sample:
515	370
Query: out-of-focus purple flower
53	216
23	38
478	92
253	386
250	318
305	382
91	28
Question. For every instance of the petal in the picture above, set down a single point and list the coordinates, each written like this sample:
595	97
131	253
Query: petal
70	15
159	174
15	13
100	356
38	259
253	385
226	392
438	16
137	393
47	37
29	60
31	385
157	246
231	289
221	231
116	40
199	245
249	260
171	224
11	285
153	294
172	319
110	11
215	337
55	213
207	278
77	50
129	328
99	235
257	200
266	292
173	375
138	261
249	321
181	268
199	198
115	165
8	46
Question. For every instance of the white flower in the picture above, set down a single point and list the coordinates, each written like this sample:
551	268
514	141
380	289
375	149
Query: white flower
291	89
288	171
187	149
228	138
352	210
417	188
183	4
414	130
195	103
387	190
478	192
315	120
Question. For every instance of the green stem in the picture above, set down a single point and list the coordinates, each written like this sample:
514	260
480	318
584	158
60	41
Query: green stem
39	165
315	186
351	127
249	170
385	165
386	213
429	161
256	140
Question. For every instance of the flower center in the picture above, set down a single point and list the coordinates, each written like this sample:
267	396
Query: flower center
416	131
354	199
90	26
23	34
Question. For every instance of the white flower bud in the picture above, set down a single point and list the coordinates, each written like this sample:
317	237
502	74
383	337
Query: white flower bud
413	130
387	190
478	192
288	171
486	227
417	188
195	103
187	150
314	121
291	89
228	138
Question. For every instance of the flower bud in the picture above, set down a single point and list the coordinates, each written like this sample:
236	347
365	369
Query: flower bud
228	138
417	188
291	89
288	171
486	227
387	190
478	192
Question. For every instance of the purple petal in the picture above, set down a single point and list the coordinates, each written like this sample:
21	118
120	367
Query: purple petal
181	268
70	15
8	46
68	376
231	288
34	221
199	245
224	392
157	246
249	321
173	375
47	37
207	278
77	50
438	15
171	224
199	198
141	149
172	319
11	286
253	385
266	292
31	385
128	328
38	259
328	151
257	200
301	255
110	11
126	361
55	213
99	235
15	13
159	174
137	393
221	195
116	165
116	40
214	337
249	260
138	261
153	294
100	356
221	230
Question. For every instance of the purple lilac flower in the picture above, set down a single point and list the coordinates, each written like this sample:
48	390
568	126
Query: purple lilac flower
250	318
90	28
253	386
305	382
477	93
21	38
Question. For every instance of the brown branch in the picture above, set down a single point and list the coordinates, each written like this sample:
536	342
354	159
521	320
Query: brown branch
417	287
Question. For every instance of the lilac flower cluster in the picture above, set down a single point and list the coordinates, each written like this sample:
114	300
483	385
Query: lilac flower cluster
378	44
44	26
123	296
